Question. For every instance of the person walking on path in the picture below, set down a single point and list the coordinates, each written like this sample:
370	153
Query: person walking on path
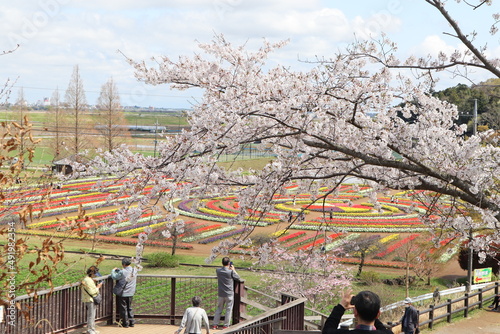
194	317
124	290
494	304
90	290
366	307
226	275
409	321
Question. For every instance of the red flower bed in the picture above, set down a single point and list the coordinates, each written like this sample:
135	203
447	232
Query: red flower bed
395	246
319	241
291	236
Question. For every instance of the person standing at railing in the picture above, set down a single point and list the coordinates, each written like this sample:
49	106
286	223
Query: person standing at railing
124	289
366	308
194	317
226	275
90	290
409	321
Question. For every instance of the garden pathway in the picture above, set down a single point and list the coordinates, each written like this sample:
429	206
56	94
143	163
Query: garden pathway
137	329
484	322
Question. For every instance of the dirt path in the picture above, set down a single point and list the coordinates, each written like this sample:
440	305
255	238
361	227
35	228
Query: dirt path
484	322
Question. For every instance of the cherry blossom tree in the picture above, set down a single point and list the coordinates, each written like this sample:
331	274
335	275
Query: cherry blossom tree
319	124
471	54
316	276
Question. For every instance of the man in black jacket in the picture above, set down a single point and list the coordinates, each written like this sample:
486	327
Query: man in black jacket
366	305
409	321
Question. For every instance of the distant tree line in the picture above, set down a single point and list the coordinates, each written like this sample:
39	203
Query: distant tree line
487	96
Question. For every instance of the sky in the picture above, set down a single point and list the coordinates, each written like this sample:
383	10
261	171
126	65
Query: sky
56	35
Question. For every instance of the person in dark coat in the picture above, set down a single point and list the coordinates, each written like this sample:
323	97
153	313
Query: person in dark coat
409	321
124	290
366	307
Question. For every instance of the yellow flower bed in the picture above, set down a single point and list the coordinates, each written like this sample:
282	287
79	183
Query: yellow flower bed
139	229
54	221
278	234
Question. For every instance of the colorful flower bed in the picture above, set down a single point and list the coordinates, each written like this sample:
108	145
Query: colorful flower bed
116	240
395	246
222	236
209	234
320	241
336	213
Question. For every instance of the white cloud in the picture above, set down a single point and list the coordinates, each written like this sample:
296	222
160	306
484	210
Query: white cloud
57	34
432	45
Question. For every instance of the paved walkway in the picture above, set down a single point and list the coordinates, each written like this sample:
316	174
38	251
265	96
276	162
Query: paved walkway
484	322
137	329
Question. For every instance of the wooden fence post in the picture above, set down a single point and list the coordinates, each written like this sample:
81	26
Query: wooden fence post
466	305
480	296
431	316
238	306
448	311
173	283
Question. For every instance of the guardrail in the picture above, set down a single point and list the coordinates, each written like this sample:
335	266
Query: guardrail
451	307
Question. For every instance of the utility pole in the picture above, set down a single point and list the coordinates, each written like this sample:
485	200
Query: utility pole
474	131
156	136
471	251
469	262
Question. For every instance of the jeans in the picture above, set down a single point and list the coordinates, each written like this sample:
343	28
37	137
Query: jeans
91	310
221	301
124	305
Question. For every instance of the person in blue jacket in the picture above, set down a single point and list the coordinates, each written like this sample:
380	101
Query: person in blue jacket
124	289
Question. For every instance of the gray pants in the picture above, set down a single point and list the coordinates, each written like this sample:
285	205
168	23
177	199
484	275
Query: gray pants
228	302
91	310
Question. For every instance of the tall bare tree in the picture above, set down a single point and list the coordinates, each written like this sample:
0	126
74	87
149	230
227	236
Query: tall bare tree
79	127
55	125
21	108
111	122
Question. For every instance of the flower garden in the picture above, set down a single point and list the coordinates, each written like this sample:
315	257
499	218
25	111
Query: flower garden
295	221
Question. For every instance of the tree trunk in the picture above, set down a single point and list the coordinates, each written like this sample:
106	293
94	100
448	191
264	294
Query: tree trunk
361	264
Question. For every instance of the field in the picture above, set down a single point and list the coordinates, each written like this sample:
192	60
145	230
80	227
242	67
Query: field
347	218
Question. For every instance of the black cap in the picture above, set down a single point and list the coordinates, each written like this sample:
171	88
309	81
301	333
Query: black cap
126	262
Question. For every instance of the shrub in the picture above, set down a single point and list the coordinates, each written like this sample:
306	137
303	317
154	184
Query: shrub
163	260
369	277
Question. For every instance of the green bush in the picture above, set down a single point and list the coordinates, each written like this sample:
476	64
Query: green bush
369	277
163	260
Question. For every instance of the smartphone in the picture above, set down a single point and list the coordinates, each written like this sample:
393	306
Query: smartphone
231	263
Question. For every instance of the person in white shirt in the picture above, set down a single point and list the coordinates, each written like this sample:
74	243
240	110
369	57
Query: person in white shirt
194	317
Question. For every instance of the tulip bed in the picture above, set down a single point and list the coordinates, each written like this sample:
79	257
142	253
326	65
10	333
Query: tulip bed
337	215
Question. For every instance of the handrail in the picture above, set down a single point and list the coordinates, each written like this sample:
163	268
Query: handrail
158	296
257	322
56	289
258	325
